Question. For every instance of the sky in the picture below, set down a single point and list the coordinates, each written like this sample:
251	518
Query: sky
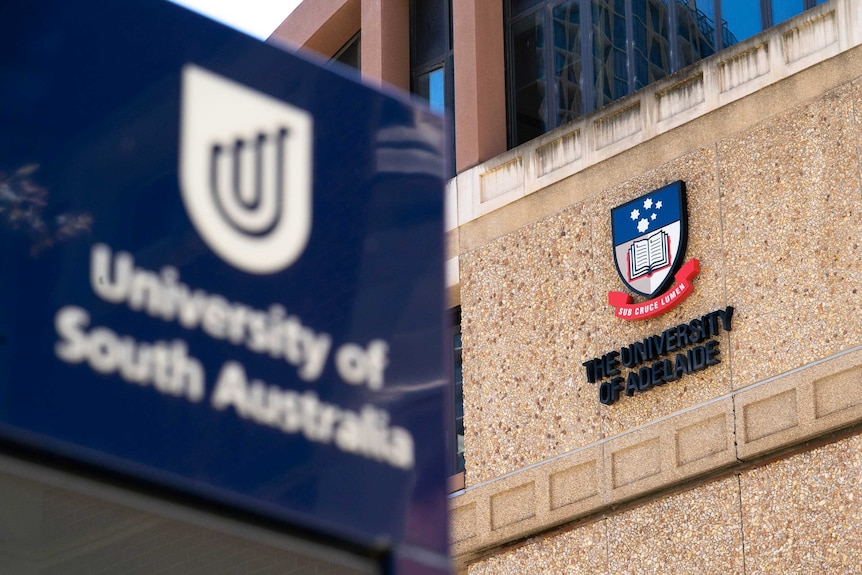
257	18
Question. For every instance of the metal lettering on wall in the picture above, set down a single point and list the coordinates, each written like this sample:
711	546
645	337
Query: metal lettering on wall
693	340
650	234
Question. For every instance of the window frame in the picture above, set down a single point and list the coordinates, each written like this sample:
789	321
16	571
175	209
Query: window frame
354	41
432	62
588	92
454	470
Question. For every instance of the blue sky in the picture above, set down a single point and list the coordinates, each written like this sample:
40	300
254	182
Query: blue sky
257	18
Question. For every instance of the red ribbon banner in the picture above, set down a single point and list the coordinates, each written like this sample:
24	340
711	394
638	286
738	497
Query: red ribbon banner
667	301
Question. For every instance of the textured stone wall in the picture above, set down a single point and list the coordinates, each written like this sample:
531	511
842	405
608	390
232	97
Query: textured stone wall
775	218
797	515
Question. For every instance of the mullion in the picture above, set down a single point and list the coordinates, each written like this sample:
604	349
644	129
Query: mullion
630	45
588	70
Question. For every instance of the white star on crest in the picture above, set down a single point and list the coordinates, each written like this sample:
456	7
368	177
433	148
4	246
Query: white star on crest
653	217
647	203
643	225
636	214
658	205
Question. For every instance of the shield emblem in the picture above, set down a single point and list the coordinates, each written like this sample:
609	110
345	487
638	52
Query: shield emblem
649	237
245	171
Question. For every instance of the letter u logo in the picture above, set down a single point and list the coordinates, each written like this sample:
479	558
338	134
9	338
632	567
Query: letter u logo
247	182
245	172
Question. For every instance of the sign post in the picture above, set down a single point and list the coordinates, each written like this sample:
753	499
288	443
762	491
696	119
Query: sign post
222	273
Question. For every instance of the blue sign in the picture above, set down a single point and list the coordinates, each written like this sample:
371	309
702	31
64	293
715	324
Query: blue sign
221	271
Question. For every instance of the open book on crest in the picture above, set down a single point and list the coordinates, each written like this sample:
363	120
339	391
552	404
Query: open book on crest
649	255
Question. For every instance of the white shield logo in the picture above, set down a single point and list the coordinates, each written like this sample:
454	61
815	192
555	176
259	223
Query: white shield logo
245	171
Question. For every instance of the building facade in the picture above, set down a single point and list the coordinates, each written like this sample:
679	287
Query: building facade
749	461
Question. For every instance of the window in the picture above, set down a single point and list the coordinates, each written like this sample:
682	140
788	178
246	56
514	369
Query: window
743	18
431	62
432	86
566	58
456	465
349	54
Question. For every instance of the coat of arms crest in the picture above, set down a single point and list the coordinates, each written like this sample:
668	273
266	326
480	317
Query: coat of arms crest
649	240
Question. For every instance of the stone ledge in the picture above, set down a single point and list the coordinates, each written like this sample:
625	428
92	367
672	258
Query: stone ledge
800	406
713	437
812	37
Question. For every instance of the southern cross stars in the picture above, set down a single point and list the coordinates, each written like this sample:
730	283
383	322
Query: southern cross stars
643	224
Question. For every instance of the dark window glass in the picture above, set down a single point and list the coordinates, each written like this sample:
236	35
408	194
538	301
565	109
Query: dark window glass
430	31
705	7
785	9
567	60
529	78
349	54
431	86
696	32
597	51
432	62
651	43
742	18
458	395
610	73
519	6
